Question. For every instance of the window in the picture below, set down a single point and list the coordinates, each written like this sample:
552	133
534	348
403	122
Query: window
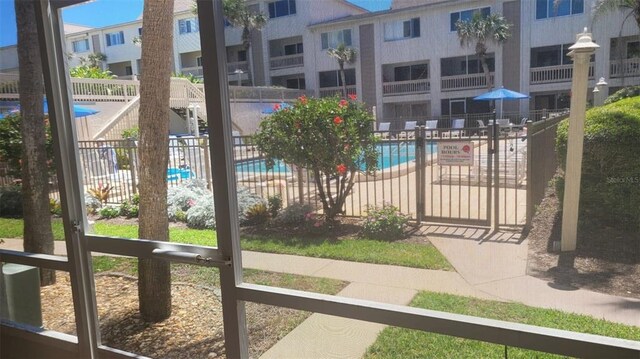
293	49
411	72
199	61
633	49
398	30
466	15
242	55
335	38
115	38
551	56
549	8
188	26
140	31
282	8
332	78
297	83
465	65
81	45
128	70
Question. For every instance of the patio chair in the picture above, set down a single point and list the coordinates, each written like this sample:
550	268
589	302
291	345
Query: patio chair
482	128
456	128
431	129
383	129
505	125
409	130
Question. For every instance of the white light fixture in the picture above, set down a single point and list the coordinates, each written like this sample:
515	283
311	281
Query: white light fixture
596	90
602	82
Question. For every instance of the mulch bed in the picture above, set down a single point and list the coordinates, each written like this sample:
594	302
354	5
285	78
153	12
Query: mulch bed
606	260
194	329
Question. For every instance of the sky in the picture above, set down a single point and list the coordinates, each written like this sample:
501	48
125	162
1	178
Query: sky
101	13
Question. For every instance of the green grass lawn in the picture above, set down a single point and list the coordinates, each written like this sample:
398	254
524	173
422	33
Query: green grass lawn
405	343
357	250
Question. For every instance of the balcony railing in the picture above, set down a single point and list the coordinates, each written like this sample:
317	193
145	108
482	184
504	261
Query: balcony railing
195	71
406	87
626	67
240	65
282	62
332	91
551	74
464	82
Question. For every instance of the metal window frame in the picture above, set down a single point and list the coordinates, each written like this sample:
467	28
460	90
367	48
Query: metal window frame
234	291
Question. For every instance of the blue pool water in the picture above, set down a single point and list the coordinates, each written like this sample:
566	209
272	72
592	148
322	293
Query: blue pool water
390	155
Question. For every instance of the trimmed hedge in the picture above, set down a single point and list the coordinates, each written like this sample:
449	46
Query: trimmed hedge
631	91
610	188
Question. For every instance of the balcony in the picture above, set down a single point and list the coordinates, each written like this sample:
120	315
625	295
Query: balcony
551	74
332	91
624	68
195	71
240	65
406	87
283	62
464	82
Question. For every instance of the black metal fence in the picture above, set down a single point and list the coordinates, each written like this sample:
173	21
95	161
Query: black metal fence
500	185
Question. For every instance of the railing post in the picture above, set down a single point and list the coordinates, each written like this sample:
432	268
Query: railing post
530	197
419	145
207	161
489	174
300	184
132	166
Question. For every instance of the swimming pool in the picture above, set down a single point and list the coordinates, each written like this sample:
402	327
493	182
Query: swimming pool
390	155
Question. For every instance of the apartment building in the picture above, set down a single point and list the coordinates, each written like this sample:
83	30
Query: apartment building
410	64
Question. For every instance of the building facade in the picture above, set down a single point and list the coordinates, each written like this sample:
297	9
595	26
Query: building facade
410	64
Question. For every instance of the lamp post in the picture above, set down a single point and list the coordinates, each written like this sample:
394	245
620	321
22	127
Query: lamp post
599	92
581	53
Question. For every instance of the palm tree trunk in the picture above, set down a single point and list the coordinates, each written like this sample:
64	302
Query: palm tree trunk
344	81
485	69
154	276
38	236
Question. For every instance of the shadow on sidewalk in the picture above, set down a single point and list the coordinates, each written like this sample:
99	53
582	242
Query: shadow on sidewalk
479	234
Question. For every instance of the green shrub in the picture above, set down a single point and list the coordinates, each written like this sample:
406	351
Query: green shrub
91	203
131	134
610	187
55	207
108	212
11	201
257	214
384	222
11	144
275	205
626	92
294	214
129	209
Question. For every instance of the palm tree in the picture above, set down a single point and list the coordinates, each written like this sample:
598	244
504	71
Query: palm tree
480	31
38	236
154	276
343	55
239	15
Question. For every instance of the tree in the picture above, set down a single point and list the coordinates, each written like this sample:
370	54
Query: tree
38	236
331	137
93	60
154	276
88	72
343	55
480	31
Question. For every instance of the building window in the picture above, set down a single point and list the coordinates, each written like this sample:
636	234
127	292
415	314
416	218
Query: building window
397	30
633	49
188	26
140	31
199	61
466	15
552	8
81	45
411	72
297	83
465	65
551	56
282	8
334	38
115	38
293	49
332	78
242	55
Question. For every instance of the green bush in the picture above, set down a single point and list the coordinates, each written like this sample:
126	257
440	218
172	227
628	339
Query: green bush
129	209
11	144
55	207
11	201
295	214
275	205
610	187
631	91
108	212
384	222
257	214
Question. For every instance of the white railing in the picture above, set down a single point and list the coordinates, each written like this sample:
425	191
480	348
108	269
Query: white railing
124	119
406	87
464	82
332	91
282	62
551	74
626	67
240	65
9	86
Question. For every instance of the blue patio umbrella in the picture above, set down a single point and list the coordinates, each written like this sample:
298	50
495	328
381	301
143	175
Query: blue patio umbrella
77	110
501	94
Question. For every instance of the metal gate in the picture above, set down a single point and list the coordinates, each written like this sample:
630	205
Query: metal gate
455	172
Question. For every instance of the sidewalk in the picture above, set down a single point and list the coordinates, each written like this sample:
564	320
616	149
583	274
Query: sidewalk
487	266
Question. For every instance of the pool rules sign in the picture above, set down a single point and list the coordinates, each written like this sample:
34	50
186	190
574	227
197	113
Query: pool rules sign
455	153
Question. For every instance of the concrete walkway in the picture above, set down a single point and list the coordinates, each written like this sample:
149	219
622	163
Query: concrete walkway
488	265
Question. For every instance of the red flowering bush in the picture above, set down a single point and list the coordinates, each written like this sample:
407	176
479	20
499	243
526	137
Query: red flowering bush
331	137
